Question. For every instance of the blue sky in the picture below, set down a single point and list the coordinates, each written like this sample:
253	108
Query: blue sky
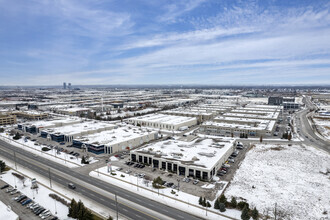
218	42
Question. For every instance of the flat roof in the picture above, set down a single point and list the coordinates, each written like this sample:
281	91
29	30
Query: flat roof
164	119
188	111
199	153
264	125
269	115
52	122
77	128
114	136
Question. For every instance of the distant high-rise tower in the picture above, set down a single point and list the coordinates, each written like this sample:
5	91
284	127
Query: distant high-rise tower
64	85
69	86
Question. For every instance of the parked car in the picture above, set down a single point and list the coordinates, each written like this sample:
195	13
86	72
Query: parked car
62	143
119	169
14	192
231	160
4	186
10	189
18	197
23	200
196	182
39	211
26	202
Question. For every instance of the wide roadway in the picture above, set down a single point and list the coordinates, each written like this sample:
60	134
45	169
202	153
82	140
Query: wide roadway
41	166
306	130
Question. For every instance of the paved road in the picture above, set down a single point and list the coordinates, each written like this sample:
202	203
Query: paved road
40	165
306	130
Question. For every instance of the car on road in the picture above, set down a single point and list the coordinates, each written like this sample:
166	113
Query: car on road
71	186
196	182
119	169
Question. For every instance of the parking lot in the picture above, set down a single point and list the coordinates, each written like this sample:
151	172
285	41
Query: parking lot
21	204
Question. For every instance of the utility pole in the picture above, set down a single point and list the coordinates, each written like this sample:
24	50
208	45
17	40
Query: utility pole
50	179
116	206
137	183
275	211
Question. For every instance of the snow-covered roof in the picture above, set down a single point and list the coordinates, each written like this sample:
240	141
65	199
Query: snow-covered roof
47	123
83	126
165	119
269	115
114	136
263	125
199	153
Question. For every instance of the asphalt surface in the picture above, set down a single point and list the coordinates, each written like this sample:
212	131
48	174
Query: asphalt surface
23	212
41	166
306	130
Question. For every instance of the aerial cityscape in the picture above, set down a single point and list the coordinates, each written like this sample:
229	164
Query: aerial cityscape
192	109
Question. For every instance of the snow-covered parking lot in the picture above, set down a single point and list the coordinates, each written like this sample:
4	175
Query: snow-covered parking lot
295	177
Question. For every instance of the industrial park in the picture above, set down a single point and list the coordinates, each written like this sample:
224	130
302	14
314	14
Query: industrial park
165	110
166	147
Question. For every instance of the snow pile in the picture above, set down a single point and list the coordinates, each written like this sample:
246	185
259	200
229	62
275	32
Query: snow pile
288	176
323	127
7	213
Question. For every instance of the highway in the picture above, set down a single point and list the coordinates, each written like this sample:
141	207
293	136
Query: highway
62	175
306	131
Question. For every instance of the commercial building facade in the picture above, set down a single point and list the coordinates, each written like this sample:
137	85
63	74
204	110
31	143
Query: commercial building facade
7	119
200	160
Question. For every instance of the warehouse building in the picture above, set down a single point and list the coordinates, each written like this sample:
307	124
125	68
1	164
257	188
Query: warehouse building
200	115
200	159
36	126
162	121
67	133
230	126
118	139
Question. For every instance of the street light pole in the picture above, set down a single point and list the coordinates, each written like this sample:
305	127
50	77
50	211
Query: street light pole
15	160
116	206
55	207
50	179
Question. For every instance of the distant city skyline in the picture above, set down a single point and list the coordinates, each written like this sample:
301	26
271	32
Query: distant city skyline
164	42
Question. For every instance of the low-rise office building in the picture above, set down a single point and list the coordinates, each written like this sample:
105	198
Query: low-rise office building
7	119
162	121
31	115
67	133
200	159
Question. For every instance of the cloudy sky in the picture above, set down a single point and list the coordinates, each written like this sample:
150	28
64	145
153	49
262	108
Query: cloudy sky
218	42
